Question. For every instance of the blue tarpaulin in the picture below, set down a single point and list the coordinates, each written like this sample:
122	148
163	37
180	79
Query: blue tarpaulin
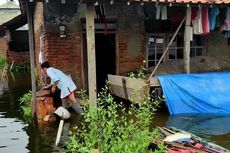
197	93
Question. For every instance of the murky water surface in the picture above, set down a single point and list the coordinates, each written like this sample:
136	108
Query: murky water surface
17	136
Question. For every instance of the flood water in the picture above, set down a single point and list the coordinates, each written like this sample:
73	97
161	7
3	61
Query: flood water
17	136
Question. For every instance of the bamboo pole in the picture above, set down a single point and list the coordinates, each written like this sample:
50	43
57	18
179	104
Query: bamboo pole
166	50
90	35
32	65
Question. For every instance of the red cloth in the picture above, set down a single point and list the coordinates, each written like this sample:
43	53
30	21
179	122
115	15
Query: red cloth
176	150
194	13
205	20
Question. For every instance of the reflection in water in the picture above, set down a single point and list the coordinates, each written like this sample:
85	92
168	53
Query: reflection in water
213	127
15	135
12	135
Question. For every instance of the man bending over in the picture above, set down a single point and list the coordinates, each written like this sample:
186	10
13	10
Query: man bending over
64	83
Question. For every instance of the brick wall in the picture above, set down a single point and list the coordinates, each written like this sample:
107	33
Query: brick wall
65	53
127	62
20	58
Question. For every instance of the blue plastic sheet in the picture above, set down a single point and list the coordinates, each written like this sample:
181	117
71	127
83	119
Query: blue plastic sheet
207	93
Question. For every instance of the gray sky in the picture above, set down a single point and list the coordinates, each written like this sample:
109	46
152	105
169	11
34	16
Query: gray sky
4	1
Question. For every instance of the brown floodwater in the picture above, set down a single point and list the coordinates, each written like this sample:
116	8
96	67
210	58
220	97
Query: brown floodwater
18	136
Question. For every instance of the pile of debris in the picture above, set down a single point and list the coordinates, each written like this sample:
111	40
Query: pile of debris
179	141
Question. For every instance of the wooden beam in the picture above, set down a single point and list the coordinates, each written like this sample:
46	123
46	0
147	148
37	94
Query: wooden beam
187	38
32	65
90	36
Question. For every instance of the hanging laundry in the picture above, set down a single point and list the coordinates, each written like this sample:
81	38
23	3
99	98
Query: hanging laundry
197	23
226	34
158	12
226	26
194	13
164	13
205	20
213	13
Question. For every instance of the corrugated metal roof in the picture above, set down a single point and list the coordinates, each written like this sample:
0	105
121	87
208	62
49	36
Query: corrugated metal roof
188	1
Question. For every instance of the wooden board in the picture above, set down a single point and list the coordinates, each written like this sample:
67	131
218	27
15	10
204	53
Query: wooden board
154	82
135	90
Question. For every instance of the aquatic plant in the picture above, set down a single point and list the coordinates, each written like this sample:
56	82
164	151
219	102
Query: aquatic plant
20	68
25	103
2	62
110	128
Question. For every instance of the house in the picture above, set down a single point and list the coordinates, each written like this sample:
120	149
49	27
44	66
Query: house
90	39
14	45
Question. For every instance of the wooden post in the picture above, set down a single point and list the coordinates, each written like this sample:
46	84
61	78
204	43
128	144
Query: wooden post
187	38
90	36
32	65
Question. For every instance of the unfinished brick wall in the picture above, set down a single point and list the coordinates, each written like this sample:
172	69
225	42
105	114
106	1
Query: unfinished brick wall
65	53
128	63
19	58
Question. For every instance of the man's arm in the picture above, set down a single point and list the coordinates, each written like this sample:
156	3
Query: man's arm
54	86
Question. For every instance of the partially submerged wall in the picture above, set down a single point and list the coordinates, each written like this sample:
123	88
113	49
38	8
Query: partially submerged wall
19	58
66	53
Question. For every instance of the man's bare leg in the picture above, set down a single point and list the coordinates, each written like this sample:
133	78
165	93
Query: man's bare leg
74	104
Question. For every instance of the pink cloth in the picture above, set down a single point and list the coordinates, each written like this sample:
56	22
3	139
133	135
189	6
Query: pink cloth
198	145
205	20
197	22
176	150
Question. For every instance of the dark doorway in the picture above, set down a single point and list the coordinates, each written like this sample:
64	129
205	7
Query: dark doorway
105	46
105	57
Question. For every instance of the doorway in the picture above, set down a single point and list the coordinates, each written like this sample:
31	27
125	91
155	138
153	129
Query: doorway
105	48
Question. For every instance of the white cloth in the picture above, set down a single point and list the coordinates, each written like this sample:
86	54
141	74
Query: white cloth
41	57
164	13
158	12
65	83
197	23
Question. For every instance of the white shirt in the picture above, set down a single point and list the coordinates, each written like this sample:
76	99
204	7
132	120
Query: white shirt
65	83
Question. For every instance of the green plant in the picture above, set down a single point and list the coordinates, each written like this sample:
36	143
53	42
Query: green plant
140	73
2	62
20	68
25	103
82	96
112	128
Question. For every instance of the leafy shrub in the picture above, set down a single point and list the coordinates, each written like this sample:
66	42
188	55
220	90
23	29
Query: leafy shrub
20	68
25	103
112	128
